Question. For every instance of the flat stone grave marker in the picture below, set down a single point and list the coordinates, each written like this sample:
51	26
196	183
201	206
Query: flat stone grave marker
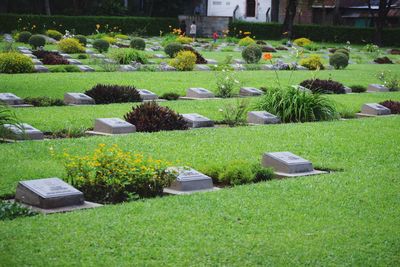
348	90
65	55
74	61
262	117
10	99
238	67
238	61
78	99
159	56
37	61
211	61
147	95
41	68
110	126
51	195
97	56
127	68
89	51
199	93
199	67
189	181
195	120
24	131
250	91
25	51
374	109
377	88
287	164
85	68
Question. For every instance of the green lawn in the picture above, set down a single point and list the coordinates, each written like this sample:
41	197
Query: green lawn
78	117
349	217
56	84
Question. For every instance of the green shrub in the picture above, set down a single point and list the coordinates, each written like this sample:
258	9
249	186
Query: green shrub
150	117
172	49
71	46
7	116
246	41
111	175
252	54
184	40
394	106
323	86
138	43
83	56
371	48
37	41
170	96
23	37
101	45
122	36
81	39
312	62
109	39
107	94
54	34
184	61
312	47
234	114
10	211
226	83
344	51
126	56
358	88
302	42
44	101
293	105
339	60
13	62
390	79
65	68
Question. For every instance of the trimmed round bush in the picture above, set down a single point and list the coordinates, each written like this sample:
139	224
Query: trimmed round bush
107	94
339	60
13	62
138	43
358	88
252	54
81	39
302	42
101	45
71	46
313	62
344	51
37	41
54	34
172	49
24	36
150	117
184	61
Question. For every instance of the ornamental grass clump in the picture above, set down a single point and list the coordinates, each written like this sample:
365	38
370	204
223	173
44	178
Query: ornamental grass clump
111	175
293	105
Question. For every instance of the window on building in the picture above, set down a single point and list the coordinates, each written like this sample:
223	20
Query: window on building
250	8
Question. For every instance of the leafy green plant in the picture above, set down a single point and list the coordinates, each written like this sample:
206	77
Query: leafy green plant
54	34
23	37
7	116
65	68
150	117
13	62
246	41
252	54
138	43
339	60
71	46
234	114
184	61
107	94
111	175
358	88
312	62
226	83
394	106
13	210
172	49
170	96
83	56
312	47
390	80
81	39
43	101
302	42
126	56
371	48
37	41
101	45
323	86
293	105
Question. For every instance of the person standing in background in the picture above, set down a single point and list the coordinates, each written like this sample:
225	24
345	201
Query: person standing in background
193	30
215	36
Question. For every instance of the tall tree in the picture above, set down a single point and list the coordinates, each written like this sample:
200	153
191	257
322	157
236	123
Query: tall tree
381	19
289	17
47	7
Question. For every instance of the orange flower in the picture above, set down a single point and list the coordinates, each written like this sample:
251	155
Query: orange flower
267	56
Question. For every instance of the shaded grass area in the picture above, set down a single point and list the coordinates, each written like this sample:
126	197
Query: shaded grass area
344	218
82	117
56	84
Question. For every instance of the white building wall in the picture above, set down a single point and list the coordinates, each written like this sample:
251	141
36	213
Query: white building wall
225	8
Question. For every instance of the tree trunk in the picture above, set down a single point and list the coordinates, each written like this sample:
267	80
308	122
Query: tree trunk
380	21
47	7
323	13
126	4
337	17
289	17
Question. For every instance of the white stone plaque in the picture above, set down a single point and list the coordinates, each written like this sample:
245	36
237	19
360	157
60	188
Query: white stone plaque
375	109
147	95
113	126
78	99
195	120
261	117
199	93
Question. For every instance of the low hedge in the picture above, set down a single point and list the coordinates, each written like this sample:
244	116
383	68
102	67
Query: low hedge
86	24
325	33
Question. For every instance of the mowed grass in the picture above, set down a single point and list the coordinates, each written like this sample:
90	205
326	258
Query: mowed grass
82	117
56	84
349	217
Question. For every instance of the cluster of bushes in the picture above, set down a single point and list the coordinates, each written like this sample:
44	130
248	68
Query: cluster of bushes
133	176
184	61
312	62
13	62
293	105
50	58
71	46
107	94
150	117
126	56
323	86
172	49
44	101
340	58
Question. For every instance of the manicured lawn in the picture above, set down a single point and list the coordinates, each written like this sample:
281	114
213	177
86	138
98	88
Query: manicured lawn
56	84
349	217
